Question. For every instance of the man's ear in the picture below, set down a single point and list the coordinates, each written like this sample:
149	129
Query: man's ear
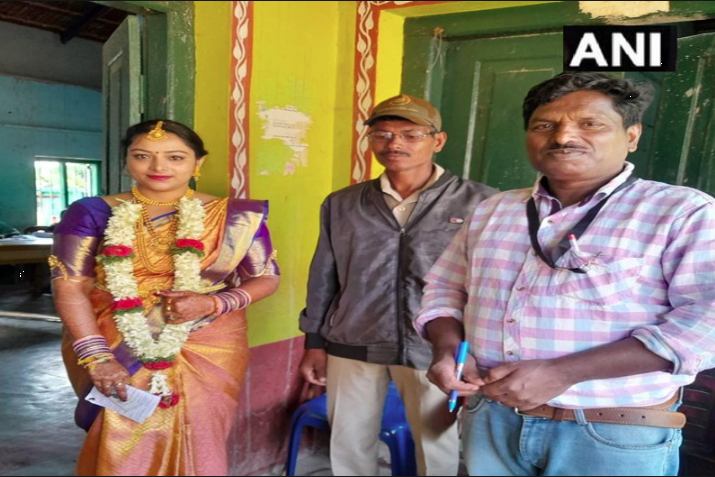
440	141
634	134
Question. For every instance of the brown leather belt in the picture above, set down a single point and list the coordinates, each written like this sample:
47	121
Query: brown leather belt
653	416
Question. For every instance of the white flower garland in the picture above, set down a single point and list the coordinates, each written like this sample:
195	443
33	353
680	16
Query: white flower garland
122	283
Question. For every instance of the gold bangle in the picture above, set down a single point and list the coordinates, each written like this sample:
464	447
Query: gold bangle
95	359
90	366
217	303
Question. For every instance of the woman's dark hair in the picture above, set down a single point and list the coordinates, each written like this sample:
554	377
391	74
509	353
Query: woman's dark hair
184	132
630	98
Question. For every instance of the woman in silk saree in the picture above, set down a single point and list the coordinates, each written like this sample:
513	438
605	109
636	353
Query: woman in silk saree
130	268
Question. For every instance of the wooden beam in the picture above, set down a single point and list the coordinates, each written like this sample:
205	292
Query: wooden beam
77	25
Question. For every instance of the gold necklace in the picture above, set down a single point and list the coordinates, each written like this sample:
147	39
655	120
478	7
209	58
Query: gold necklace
147	237
156	239
142	199
165	263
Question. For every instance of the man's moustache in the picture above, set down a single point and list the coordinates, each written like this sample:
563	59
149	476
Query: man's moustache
568	145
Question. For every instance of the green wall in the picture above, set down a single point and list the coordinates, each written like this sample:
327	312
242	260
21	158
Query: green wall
41	119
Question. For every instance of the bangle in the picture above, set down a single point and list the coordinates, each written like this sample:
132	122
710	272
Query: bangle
90	362
217	306
232	300
91	348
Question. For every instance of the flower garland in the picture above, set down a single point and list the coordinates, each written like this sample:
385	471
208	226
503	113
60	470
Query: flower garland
117	258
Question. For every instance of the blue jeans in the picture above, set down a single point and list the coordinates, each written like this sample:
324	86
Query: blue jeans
497	441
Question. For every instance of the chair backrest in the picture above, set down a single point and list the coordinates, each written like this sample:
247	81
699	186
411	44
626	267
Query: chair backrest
393	413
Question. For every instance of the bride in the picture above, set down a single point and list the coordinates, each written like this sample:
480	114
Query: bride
152	286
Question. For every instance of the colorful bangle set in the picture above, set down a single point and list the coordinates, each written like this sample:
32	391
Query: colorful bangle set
230	300
92	350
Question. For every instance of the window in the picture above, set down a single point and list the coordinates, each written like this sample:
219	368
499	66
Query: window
61	181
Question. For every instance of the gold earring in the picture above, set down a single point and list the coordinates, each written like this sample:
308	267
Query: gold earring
197	173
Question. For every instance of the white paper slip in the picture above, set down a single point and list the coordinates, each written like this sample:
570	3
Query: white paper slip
138	406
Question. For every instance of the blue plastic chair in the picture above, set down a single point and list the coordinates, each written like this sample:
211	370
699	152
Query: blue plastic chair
395	431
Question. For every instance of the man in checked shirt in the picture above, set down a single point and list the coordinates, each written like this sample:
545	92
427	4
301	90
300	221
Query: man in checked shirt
588	300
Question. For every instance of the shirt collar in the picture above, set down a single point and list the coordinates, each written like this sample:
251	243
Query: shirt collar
539	190
387	187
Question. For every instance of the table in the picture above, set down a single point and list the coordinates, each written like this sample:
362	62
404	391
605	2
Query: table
28	249
24	249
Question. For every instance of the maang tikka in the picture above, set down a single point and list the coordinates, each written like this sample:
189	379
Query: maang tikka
157	134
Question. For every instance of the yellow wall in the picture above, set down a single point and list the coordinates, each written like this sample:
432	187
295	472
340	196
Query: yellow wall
213	89
292	67
388	76
303	57
295	64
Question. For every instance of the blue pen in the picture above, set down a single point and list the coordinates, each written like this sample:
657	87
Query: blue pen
460	357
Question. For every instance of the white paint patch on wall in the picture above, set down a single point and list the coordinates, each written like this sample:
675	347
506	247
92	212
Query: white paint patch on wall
290	126
622	9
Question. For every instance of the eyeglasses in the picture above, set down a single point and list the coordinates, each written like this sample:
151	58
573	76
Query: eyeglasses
385	136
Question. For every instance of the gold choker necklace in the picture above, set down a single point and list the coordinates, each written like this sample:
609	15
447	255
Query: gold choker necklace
142	199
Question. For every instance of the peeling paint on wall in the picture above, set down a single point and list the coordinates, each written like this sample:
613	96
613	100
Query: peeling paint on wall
290	126
690	92
622	9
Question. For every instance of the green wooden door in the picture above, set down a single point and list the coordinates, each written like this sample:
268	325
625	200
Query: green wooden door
148	73
684	134
486	80
477	67
122	101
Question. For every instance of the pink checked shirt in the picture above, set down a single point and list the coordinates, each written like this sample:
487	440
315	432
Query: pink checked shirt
650	261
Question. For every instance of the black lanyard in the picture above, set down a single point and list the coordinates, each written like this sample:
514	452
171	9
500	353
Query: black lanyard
533	215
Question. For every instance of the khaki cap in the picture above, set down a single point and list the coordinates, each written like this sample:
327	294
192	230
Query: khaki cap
413	109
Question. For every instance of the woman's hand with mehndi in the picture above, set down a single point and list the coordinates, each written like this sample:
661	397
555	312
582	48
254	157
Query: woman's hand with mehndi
182	306
110	378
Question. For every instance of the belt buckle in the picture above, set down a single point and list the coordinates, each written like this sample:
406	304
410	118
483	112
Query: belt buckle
519	413
531	415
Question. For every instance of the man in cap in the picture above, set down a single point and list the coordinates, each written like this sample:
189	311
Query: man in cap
377	241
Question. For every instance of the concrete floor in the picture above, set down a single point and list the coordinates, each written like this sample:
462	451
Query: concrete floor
37	432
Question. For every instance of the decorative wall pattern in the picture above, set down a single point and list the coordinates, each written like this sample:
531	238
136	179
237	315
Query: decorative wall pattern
242	41
368	14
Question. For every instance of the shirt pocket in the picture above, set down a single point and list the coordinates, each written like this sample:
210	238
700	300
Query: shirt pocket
608	280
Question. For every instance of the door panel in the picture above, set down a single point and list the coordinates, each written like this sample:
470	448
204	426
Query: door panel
486	80
684	136
642	156
684	153
121	104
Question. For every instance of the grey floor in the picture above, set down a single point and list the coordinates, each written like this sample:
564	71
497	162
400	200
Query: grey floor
37	432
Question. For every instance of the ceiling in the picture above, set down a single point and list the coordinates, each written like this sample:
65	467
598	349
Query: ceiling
68	19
